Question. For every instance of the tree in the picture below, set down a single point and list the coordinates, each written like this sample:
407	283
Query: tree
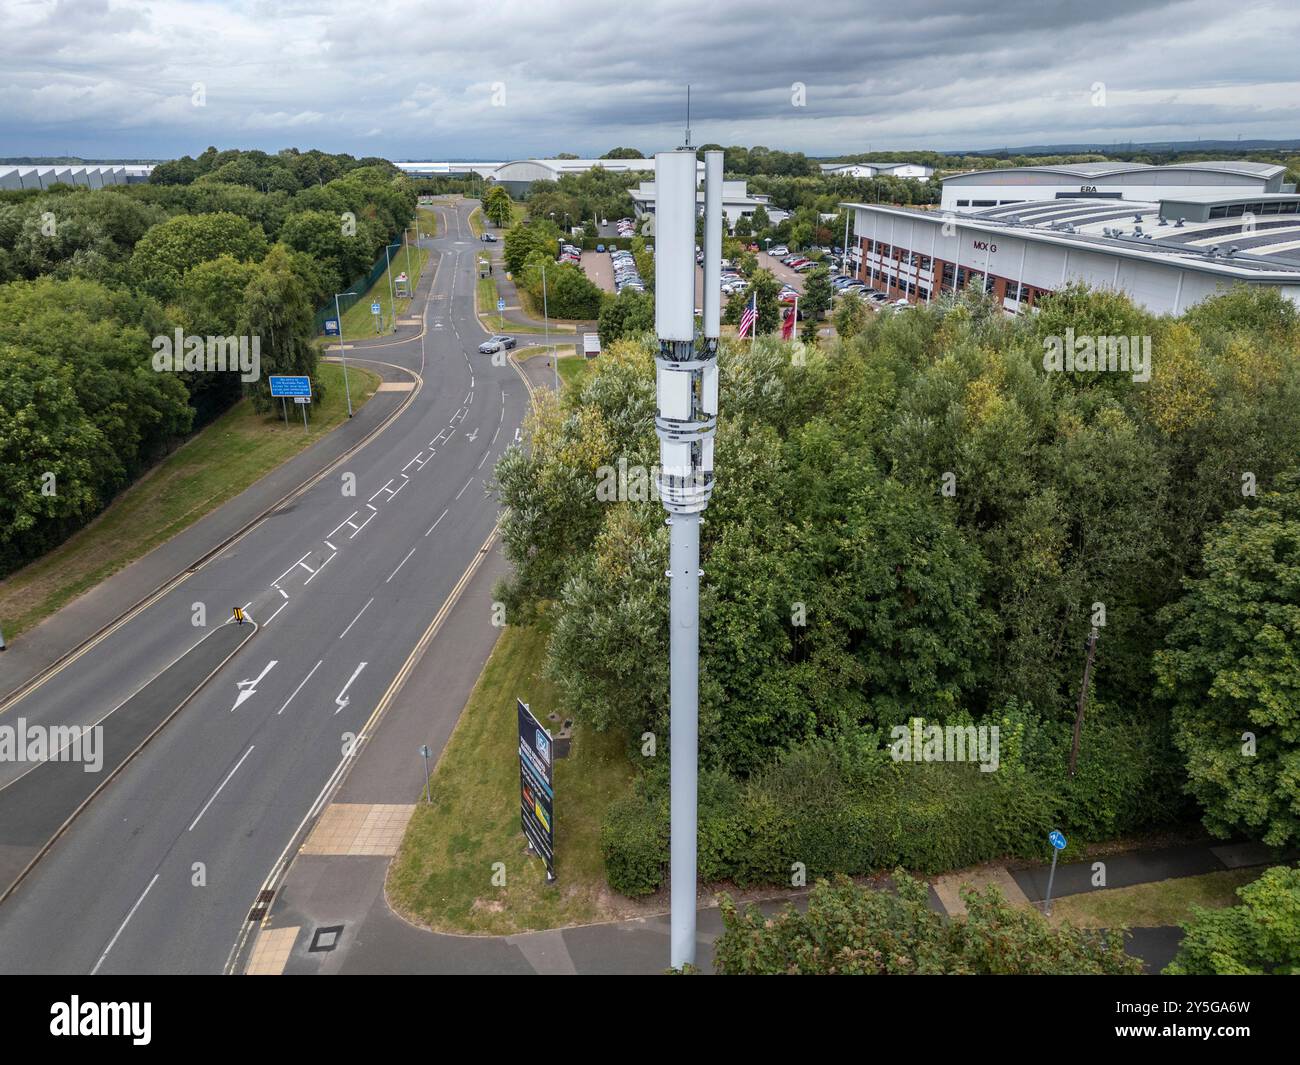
277	311
766	287
818	293
850	316
1231	668
169	249
497	206
630	312
850	931
1259	937
623	153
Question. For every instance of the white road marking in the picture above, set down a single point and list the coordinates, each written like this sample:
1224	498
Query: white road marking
272	617
412	462
403	485
289	570
123	925
330	546
306	567
384	489
299	688
319	571
248	688
283	593
485	456
219	787
435	524
357	618
361	526
400	565
343	698
345	521
466	485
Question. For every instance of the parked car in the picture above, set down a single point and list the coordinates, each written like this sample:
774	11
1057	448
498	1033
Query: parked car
496	343
600	247
488	238
778	250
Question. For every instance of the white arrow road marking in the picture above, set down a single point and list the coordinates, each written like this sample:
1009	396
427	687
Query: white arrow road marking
343	697
471	437
248	688
516	436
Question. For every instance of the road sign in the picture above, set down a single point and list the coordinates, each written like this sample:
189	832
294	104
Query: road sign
239	614
374	308
331	327
286	387
501	304
536	795
302	399
1057	839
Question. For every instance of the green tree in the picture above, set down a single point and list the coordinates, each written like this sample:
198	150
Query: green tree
497	206
1231	669
168	250
818	293
850	316
629	313
1258	938
277	311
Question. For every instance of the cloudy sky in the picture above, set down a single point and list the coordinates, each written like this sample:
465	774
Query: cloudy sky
501	79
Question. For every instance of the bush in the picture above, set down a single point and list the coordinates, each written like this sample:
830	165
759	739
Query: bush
634	842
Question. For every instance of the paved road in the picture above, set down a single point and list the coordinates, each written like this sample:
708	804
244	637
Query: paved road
160	872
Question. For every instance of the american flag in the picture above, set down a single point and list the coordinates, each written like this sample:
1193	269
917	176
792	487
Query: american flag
748	318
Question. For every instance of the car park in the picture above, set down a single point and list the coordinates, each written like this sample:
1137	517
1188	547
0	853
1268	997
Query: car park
494	344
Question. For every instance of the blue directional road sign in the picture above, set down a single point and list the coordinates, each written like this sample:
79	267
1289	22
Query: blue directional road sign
1057	839
290	387
374	308
501	305
331	327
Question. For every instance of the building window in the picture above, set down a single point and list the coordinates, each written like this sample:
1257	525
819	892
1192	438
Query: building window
963	203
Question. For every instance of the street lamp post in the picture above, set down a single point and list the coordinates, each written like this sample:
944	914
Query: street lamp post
343	358
392	304
685	421
546	319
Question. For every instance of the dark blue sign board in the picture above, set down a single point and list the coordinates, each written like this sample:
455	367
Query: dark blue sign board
536	794
331	327
290	387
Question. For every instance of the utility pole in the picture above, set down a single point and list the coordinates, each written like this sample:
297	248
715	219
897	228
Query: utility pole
546	319
1083	698
685	421
392	305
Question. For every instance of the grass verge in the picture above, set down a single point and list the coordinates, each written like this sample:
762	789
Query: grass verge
1166	902
358	322
214	465
442	876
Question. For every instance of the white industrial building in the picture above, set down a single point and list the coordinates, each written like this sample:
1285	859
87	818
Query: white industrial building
737	202
1195	236
916	171
1128	181
87	175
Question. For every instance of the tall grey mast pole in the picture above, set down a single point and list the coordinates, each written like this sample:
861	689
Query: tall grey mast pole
686	418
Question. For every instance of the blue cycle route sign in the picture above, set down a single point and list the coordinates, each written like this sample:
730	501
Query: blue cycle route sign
1057	839
501	304
285	387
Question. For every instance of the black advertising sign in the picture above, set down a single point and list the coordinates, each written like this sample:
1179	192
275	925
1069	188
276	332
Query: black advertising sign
536	795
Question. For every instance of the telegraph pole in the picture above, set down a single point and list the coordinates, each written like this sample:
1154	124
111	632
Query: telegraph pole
685	421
